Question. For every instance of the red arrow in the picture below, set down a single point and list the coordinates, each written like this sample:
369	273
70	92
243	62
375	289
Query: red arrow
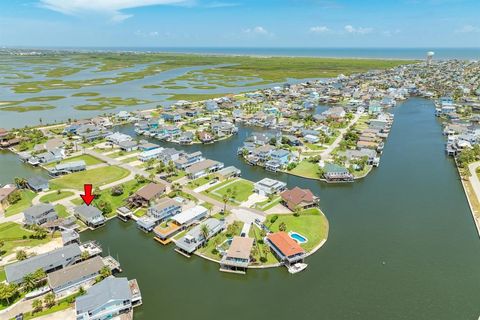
88	196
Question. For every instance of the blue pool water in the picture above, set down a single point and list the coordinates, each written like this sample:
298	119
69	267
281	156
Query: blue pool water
298	237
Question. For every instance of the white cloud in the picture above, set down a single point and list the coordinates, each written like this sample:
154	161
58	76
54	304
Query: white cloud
360	30
111	8
257	30
468	29
319	29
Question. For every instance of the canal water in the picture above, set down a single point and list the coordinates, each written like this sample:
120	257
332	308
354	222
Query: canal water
402	245
11	167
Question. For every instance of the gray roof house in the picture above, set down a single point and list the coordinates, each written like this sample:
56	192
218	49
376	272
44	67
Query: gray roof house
105	300
90	215
75	275
38	184
195	238
39	214
50	261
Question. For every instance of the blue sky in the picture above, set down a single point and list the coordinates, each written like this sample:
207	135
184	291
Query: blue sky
240	23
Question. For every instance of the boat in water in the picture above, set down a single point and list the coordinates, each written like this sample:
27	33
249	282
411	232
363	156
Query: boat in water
297	267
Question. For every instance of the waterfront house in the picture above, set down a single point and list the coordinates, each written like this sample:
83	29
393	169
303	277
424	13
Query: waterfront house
68	167
147	194
123	115
5	192
190	216
117	138
48	262
107	299
287	250
165	208
74	276
336	173
269	186
263	152
39	214
147	146
186	138
89	215
128	146
47	157
38	184
70	236
281	156
237	257
169	154
188	159
203	168
3	134
299	198
205	137
228	172
195	238
147	223
223	128
150	154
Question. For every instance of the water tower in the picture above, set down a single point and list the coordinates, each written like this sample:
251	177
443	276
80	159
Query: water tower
430	55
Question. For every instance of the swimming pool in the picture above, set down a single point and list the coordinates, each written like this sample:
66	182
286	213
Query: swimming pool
298	237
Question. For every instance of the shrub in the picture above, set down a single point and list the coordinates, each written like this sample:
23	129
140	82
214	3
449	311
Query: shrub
263	259
273	219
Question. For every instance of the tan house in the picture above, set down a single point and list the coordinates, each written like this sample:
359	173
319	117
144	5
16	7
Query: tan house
4	193
144	196
299	198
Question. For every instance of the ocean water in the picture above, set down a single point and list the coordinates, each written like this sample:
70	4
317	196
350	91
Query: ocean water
389	53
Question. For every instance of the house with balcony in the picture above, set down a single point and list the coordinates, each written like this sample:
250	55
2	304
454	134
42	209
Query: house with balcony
89	215
165	208
188	159
195	237
287	250
39	214
299	198
269	186
150	154
202	168
237	257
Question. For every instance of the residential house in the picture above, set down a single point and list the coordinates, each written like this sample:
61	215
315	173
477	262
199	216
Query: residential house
48	262
228	172
190	216
169	154
196	238
150	154
74	276
171	116
68	167
117	138
188	159
5	192
89	215
211	106
205	137
281	156
164	208
237	257
38	184
203	168
128	146
299	198
147	194
287	250
107	299
269	186
336	173
39	214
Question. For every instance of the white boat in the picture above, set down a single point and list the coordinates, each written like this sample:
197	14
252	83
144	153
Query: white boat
37	292
297	267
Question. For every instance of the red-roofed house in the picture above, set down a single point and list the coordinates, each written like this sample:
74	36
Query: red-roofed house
299	198
285	248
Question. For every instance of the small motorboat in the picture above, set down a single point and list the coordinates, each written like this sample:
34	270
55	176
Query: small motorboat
297	267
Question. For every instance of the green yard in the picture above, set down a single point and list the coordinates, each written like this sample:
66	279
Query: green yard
55	196
116	202
200	182
268	204
305	169
13	236
97	177
208	249
122	153
311	223
89	160
239	190
24	203
260	249
61	211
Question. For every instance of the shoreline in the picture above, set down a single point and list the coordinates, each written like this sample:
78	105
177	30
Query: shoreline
468	195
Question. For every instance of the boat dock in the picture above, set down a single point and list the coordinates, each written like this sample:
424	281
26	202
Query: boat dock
112	264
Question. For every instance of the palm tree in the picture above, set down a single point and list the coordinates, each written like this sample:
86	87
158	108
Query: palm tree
21	183
205	232
49	300
37	305
282	226
29	282
21	255
7	291
105	272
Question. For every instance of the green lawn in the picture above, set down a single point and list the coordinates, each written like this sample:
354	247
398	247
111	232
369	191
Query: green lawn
122	153
98	177
199	182
55	196
180	174
15	236
260	247
89	160
217	240
267	204
116	202
314	147
311	223
305	169
61	211
243	189
3	276
24	203
140	212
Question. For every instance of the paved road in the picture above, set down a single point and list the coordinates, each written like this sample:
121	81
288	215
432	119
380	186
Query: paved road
327	152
